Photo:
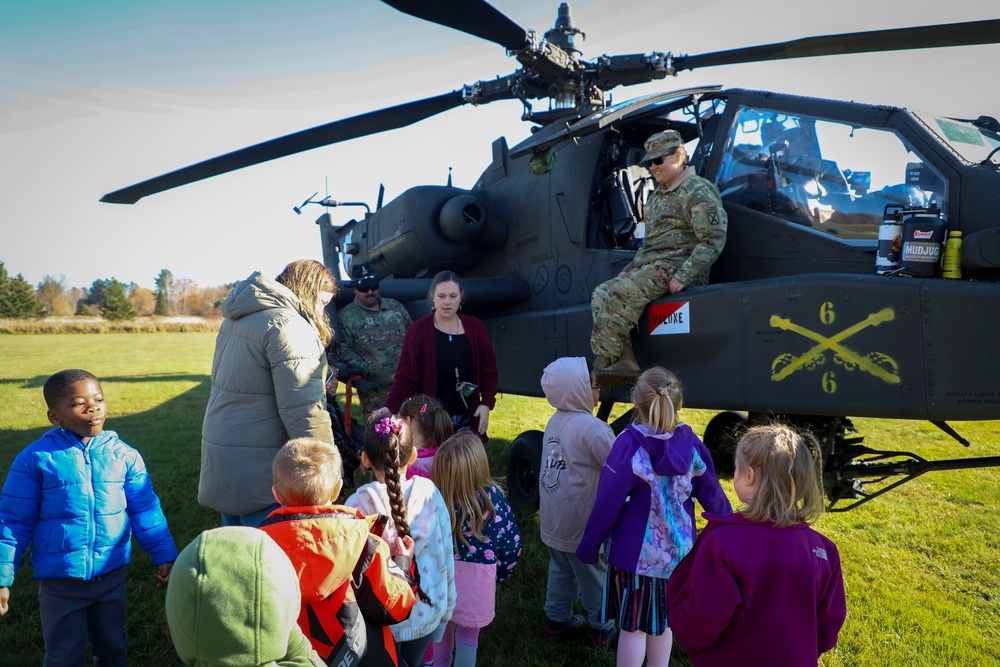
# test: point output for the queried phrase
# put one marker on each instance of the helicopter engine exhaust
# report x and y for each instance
(462, 219)
(429, 228)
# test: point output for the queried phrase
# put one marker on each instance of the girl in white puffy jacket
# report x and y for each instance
(415, 507)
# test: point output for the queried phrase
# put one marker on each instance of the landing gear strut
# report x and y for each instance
(853, 473)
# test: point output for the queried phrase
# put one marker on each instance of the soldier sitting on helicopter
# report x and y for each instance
(685, 230)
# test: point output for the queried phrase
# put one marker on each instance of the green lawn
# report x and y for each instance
(921, 562)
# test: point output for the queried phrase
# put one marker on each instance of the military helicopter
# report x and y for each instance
(810, 317)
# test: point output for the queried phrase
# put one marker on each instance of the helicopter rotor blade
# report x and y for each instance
(896, 39)
(323, 135)
(475, 17)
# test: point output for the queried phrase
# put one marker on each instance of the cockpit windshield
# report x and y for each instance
(972, 143)
(835, 178)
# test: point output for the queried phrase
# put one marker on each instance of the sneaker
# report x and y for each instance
(602, 640)
(554, 631)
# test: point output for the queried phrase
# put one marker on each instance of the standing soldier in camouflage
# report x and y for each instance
(372, 328)
(685, 232)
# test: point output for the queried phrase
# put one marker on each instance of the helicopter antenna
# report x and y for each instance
(449, 177)
(298, 209)
(381, 194)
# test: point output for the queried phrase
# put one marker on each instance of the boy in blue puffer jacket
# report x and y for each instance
(76, 495)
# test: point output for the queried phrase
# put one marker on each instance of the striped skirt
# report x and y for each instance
(638, 603)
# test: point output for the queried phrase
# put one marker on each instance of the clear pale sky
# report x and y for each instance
(95, 96)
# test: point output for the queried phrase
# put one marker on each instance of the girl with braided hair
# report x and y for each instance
(414, 507)
(430, 425)
(657, 467)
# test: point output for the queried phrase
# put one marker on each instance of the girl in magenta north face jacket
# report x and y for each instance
(760, 586)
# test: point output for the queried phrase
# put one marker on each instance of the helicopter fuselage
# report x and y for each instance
(796, 319)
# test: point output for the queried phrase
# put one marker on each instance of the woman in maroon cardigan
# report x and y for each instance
(450, 357)
(446, 352)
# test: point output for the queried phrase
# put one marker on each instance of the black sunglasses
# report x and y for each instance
(367, 287)
(659, 160)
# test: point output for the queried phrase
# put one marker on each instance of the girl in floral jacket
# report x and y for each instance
(487, 543)
(645, 502)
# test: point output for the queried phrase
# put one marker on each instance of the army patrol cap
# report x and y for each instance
(662, 143)
(364, 277)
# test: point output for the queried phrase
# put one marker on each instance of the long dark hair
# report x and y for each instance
(429, 417)
(386, 450)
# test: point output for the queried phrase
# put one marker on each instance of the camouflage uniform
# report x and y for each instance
(685, 232)
(371, 343)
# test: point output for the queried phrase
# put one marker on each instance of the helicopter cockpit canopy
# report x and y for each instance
(833, 177)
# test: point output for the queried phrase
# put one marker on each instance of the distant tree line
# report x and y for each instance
(108, 298)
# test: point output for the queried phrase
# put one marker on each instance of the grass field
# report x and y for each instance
(921, 563)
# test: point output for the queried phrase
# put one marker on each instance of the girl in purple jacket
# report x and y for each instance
(645, 502)
(761, 587)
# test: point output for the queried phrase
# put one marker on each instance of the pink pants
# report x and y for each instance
(464, 641)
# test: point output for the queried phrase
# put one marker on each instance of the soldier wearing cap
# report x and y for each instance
(372, 329)
(685, 232)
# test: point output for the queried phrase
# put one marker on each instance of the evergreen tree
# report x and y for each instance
(21, 300)
(116, 304)
(95, 297)
(4, 291)
(164, 293)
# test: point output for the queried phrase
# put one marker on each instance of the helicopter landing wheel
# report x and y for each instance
(524, 464)
(722, 434)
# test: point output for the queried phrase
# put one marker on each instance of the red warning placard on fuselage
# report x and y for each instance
(669, 318)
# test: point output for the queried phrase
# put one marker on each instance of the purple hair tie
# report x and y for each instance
(388, 425)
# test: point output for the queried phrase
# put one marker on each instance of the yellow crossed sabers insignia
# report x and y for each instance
(833, 343)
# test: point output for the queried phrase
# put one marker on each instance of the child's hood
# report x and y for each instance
(258, 292)
(566, 383)
(233, 599)
(669, 453)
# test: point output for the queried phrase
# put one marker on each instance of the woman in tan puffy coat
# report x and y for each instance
(268, 386)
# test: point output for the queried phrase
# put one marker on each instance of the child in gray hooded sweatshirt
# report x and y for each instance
(574, 448)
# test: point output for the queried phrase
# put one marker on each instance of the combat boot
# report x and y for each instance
(626, 364)
(601, 363)
(624, 369)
